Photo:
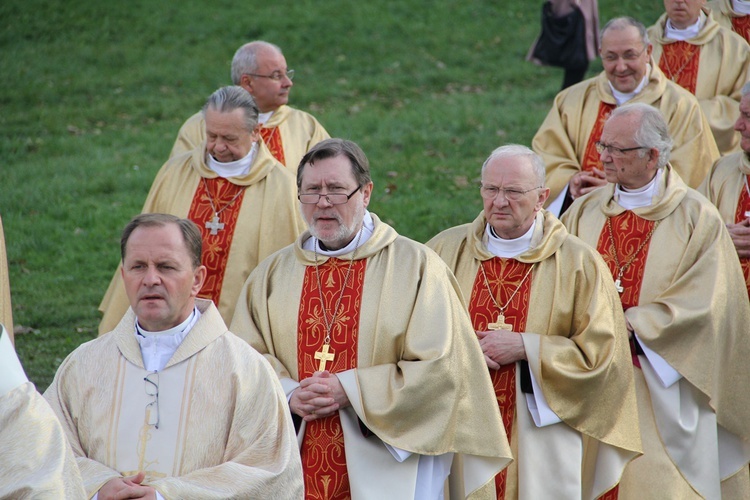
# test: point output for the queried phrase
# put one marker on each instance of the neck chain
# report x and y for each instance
(674, 76)
(500, 324)
(324, 355)
(623, 268)
(215, 225)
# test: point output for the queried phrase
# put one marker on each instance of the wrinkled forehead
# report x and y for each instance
(621, 40)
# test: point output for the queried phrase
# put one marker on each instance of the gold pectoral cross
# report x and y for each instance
(215, 225)
(500, 324)
(324, 356)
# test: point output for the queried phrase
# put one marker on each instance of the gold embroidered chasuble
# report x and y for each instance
(723, 69)
(583, 365)
(6, 312)
(565, 133)
(420, 382)
(224, 427)
(267, 215)
(725, 15)
(688, 312)
(297, 133)
(725, 187)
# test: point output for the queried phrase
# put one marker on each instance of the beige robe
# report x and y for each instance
(268, 220)
(224, 425)
(420, 384)
(35, 458)
(723, 69)
(723, 12)
(6, 312)
(690, 314)
(299, 132)
(583, 362)
(725, 182)
(564, 134)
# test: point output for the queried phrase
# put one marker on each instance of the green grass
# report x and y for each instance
(93, 94)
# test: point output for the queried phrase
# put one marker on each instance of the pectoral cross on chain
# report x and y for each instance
(618, 285)
(500, 324)
(324, 356)
(215, 225)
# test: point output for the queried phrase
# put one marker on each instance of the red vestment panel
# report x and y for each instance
(591, 156)
(741, 26)
(743, 207)
(680, 62)
(272, 138)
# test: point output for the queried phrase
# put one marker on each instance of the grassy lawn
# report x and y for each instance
(93, 94)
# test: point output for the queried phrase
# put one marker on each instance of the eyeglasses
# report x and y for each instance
(276, 75)
(629, 56)
(490, 192)
(152, 408)
(332, 198)
(614, 150)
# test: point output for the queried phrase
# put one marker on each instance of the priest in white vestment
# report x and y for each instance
(260, 68)
(368, 333)
(687, 311)
(171, 404)
(35, 458)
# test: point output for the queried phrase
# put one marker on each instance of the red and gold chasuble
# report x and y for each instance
(743, 207)
(323, 455)
(680, 62)
(591, 156)
(503, 276)
(272, 138)
(216, 246)
(741, 26)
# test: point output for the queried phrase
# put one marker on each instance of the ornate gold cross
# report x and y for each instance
(324, 356)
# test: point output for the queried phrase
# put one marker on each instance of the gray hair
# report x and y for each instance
(245, 60)
(620, 23)
(745, 89)
(191, 235)
(652, 129)
(331, 148)
(227, 99)
(517, 150)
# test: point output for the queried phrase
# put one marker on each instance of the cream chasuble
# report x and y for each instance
(564, 137)
(576, 346)
(420, 382)
(726, 16)
(35, 458)
(723, 69)
(6, 312)
(297, 133)
(690, 321)
(221, 430)
(265, 219)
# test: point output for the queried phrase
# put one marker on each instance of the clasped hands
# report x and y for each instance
(318, 396)
(126, 487)
(586, 181)
(501, 347)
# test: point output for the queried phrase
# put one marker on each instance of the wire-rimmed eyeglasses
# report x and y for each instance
(332, 198)
(276, 75)
(152, 389)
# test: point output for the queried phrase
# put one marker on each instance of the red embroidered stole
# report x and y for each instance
(216, 246)
(591, 156)
(272, 138)
(741, 26)
(504, 276)
(680, 62)
(743, 206)
(323, 455)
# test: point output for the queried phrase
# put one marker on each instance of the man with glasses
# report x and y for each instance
(553, 335)
(368, 334)
(260, 68)
(235, 191)
(171, 404)
(705, 58)
(567, 138)
(681, 287)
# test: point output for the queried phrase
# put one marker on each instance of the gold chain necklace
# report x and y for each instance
(324, 355)
(622, 269)
(500, 324)
(215, 224)
(675, 76)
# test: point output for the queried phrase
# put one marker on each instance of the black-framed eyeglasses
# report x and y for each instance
(276, 75)
(490, 192)
(614, 150)
(332, 198)
(152, 408)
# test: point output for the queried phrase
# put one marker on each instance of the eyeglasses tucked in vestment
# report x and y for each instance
(276, 75)
(152, 389)
(332, 198)
(490, 192)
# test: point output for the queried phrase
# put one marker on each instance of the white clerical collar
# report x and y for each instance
(367, 228)
(685, 34)
(741, 6)
(157, 348)
(264, 117)
(500, 247)
(637, 198)
(235, 168)
(621, 97)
